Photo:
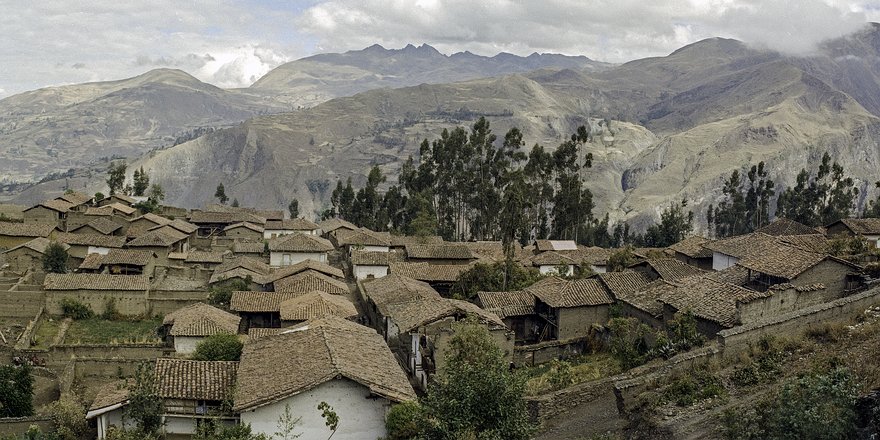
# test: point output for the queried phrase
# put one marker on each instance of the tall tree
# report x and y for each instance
(16, 391)
(820, 200)
(141, 182)
(675, 225)
(293, 208)
(746, 203)
(145, 407)
(55, 258)
(220, 194)
(116, 177)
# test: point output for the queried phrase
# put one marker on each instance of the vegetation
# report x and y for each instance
(55, 258)
(212, 430)
(675, 225)
(331, 419)
(103, 331)
(287, 425)
(220, 194)
(141, 182)
(73, 309)
(559, 374)
(692, 386)
(821, 199)
(629, 341)
(494, 277)
(69, 418)
(621, 259)
(219, 347)
(221, 294)
(116, 177)
(293, 208)
(16, 391)
(746, 203)
(145, 407)
(405, 421)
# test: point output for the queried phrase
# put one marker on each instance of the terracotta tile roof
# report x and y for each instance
(32, 230)
(75, 198)
(105, 241)
(179, 225)
(592, 255)
(862, 226)
(113, 393)
(645, 299)
(152, 218)
(311, 280)
(248, 247)
(784, 226)
(299, 242)
(424, 271)
(55, 205)
(552, 258)
(305, 265)
(491, 251)
(248, 263)
(246, 225)
(38, 244)
(735, 274)
(403, 240)
(559, 293)
(781, 260)
(670, 269)
(451, 251)
(268, 214)
(316, 305)
(369, 258)
(276, 367)
(555, 245)
(91, 262)
(195, 380)
(131, 257)
(255, 333)
(708, 299)
(214, 257)
(237, 272)
(393, 289)
(692, 247)
(361, 237)
(259, 302)
(333, 224)
(95, 281)
(623, 283)
(410, 315)
(740, 245)
(127, 199)
(504, 304)
(124, 209)
(810, 242)
(158, 238)
(209, 217)
(293, 224)
(103, 225)
(200, 319)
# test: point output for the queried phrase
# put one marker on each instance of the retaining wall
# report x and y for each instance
(15, 426)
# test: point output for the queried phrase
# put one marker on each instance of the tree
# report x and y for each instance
(156, 193)
(287, 424)
(621, 259)
(746, 206)
(116, 177)
(674, 226)
(819, 200)
(99, 196)
(235, 203)
(69, 418)
(496, 277)
(219, 347)
(145, 406)
(476, 395)
(16, 391)
(331, 419)
(293, 208)
(55, 258)
(141, 182)
(211, 429)
(220, 194)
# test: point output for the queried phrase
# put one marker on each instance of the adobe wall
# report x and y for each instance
(829, 272)
(129, 303)
(21, 304)
(533, 354)
(575, 322)
(20, 425)
(547, 406)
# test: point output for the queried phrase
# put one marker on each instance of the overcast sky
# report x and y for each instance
(232, 43)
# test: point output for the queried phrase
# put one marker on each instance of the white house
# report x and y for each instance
(367, 264)
(108, 408)
(192, 324)
(277, 228)
(727, 252)
(297, 247)
(330, 360)
(362, 239)
(554, 263)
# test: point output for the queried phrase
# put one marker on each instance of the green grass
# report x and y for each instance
(46, 332)
(556, 375)
(103, 331)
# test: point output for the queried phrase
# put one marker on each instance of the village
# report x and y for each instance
(332, 313)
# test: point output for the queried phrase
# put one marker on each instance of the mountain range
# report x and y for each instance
(681, 123)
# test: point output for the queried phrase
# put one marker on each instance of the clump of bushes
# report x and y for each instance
(73, 309)
(220, 347)
(690, 387)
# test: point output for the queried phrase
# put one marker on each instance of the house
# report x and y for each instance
(197, 259)
(14, 234)
(253, 249)
(626, 287)
(50, 211)
(315, 305)
(120, 262)
(179, 225)
(421, 329)
(783, 226)
(692, 251)
(570, 308)
(447, 253)
(277, 228)
(99, 226)
(553, 263)
(78, 200)
(330, 360)
(162, 242)
(108, 408)
(594, 257)
(378, 293)
(144, 223)
(369, 264)
(281, 273)
(244, 231)
(310, 280)
(441, 277)
(189, 326)
(259, 309)
(118, 198)
(28, 256)
(517, 310)
(669, 269)
(294, 248)
(84, 244)
(329, 226)
(399, 242)
(212, 223)
(869, 228)
(241, 268)
(361, 239)
(128, 292)
(728, 251)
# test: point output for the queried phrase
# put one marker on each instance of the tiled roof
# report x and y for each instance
(276, 367)
(369, 258)
(246, 225)
(75, 198)
(127, 199)
(361, 237)
(209, 217)
(316, 305)
(182, 226)
(559, 293)
(200, 319)
(740, 245)
(555, 245)
(292, 224)
(55, 205)
(95, 211)
(491, 251)
(335, 223)
(97, 240)
(708, 299)
(784, 226)
(32, 230)
(268, 214)
(393, 289)
(552, 258)
(152, 218)
(863, 226)
(237, 272)
(693, 247)
(670, 269)
(781, 260)
(735, 274)
(158, 238)
(131, 257)
(195, 380)
(214, 257)
(504, 304)
(255, 333)
(259, 302)
(248, 247)
(424, 271)
(113, 393)
(91, 262)
(103, 225)
(593, 255)
(311, 280)
(305, 265)
(411, 315)
(299, 242)
(127, 210)
(403, 240)
(248, 263)
(645, 299)
(623, 283)
(810, 242)
(95, 281)
(38, 244)
(450, 251)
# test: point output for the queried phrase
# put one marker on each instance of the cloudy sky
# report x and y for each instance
(232, 43)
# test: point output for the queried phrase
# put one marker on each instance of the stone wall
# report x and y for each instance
(546, 406)
(533, 354)
(130, 303)
(20, 425)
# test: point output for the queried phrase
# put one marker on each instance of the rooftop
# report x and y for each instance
(201, 319)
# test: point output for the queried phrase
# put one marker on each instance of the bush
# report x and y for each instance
(405, 421)
(73, 309)
(765, 366)
(221, 295)
(827, 333)
(220, 347)
(691, 387)
(628, 343)
(110, 311)
(55, 259)
(16, 391)
(69, 417)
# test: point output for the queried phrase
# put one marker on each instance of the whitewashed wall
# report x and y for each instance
(550, 270)
(186, 344)
(364, 272)
(722, 261)
(276, 259)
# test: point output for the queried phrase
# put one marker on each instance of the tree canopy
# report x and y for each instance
(219, 347)
(55, 258)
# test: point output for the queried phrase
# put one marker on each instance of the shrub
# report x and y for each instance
(55, 258)
(69, 417)
(628, 343)
(73, 309)
(691, 387)
(826, 333)
(221, 295)
(220, 347)
(110, 311)
(405, 421)
(16, 391)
